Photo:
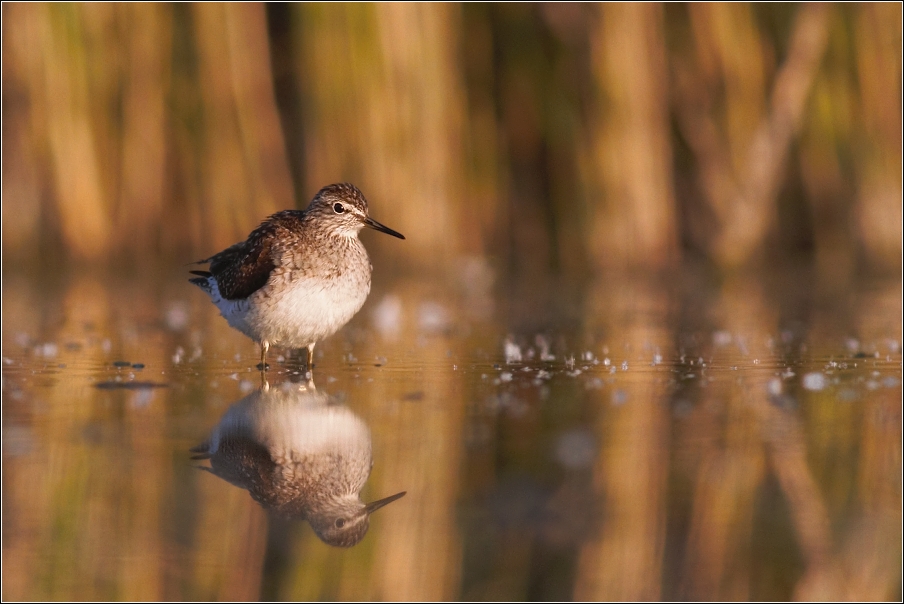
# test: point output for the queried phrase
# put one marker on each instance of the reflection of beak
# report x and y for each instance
(373, 506)
(370, 222)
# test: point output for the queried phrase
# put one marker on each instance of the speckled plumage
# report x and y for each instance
(300, 276)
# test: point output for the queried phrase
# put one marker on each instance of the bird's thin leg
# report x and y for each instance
(311, 356)
(265, 346)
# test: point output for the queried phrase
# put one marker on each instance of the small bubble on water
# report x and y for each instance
(722, 338)
(505, 376)
(47, 350)
(387, 316)
(607, 362)
(593, 384)
(176, 316)
(433, 317)
(576, 449)
(848, 395)
(619, 397)
(512, 352)
(624, 366)
(543, 344)
(814, 381)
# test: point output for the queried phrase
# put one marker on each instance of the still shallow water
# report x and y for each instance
(622, 440)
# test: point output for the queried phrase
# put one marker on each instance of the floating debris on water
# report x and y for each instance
(131, 385)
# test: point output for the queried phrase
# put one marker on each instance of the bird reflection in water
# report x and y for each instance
(300, 455)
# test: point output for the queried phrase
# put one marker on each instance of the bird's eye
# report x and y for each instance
(338, 208)
(340, 522)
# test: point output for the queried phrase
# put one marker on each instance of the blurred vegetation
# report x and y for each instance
(550, 136)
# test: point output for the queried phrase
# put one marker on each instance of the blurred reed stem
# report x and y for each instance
(558, 138)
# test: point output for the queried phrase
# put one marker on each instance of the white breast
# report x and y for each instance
(294, 312)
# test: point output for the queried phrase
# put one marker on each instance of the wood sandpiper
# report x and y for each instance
(300, 276)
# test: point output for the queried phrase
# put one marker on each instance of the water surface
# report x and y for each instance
(624, 439)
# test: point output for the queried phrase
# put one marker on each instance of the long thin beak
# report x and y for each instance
(373, 224)
(373, 506)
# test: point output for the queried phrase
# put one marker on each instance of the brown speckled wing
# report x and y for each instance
(244, 268)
